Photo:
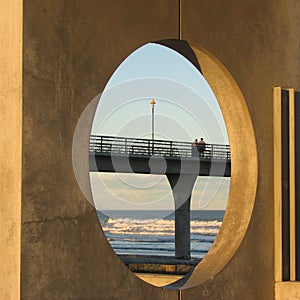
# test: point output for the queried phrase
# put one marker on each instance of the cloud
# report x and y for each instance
(153, 192)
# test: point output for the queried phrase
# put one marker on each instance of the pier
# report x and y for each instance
(175, 159)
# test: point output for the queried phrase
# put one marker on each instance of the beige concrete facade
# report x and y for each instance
(70, 50)
(10, 147)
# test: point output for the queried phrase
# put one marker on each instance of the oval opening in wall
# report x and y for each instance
(160, 194)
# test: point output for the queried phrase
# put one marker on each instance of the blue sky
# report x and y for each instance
(186, 109)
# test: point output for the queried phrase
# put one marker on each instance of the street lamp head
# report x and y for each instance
(152, 102)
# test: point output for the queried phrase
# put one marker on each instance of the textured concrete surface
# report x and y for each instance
(287, 290)
(70, 51)
(71, 48)
(258, 42)
(10, 146)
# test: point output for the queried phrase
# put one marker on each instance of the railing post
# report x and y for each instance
(101, 143)
(212, 151)
(171, 149)
(149, 152)
(125, 145)
(152, 147)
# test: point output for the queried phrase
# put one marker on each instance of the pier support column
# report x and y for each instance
(182, 187)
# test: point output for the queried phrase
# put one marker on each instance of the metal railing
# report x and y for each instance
(148, 147)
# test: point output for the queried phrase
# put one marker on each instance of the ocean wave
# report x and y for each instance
(156, 249)
(156, 227)
(132, 233)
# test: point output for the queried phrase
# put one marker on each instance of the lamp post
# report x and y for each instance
(152, 105)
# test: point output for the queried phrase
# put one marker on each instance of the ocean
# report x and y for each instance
(153, 232)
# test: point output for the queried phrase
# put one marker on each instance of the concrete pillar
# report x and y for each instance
(182, 187)
(10, 147)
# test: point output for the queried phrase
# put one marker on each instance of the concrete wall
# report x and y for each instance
(258, 42)
(71, 48)
(10, 146)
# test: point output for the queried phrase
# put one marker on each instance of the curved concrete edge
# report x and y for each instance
(244, 169)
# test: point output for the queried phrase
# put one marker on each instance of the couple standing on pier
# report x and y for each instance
(198, 148)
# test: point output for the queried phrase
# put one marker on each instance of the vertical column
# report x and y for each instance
(277, 183)
(285, 188)
(297, 181)
(10, 146)
(292, 202)
(182, 231)
(182, 187)
(284, 184)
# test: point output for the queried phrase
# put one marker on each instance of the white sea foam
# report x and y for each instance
(156, 227)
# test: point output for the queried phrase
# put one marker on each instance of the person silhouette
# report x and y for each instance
(201, 147)
(195, 148)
